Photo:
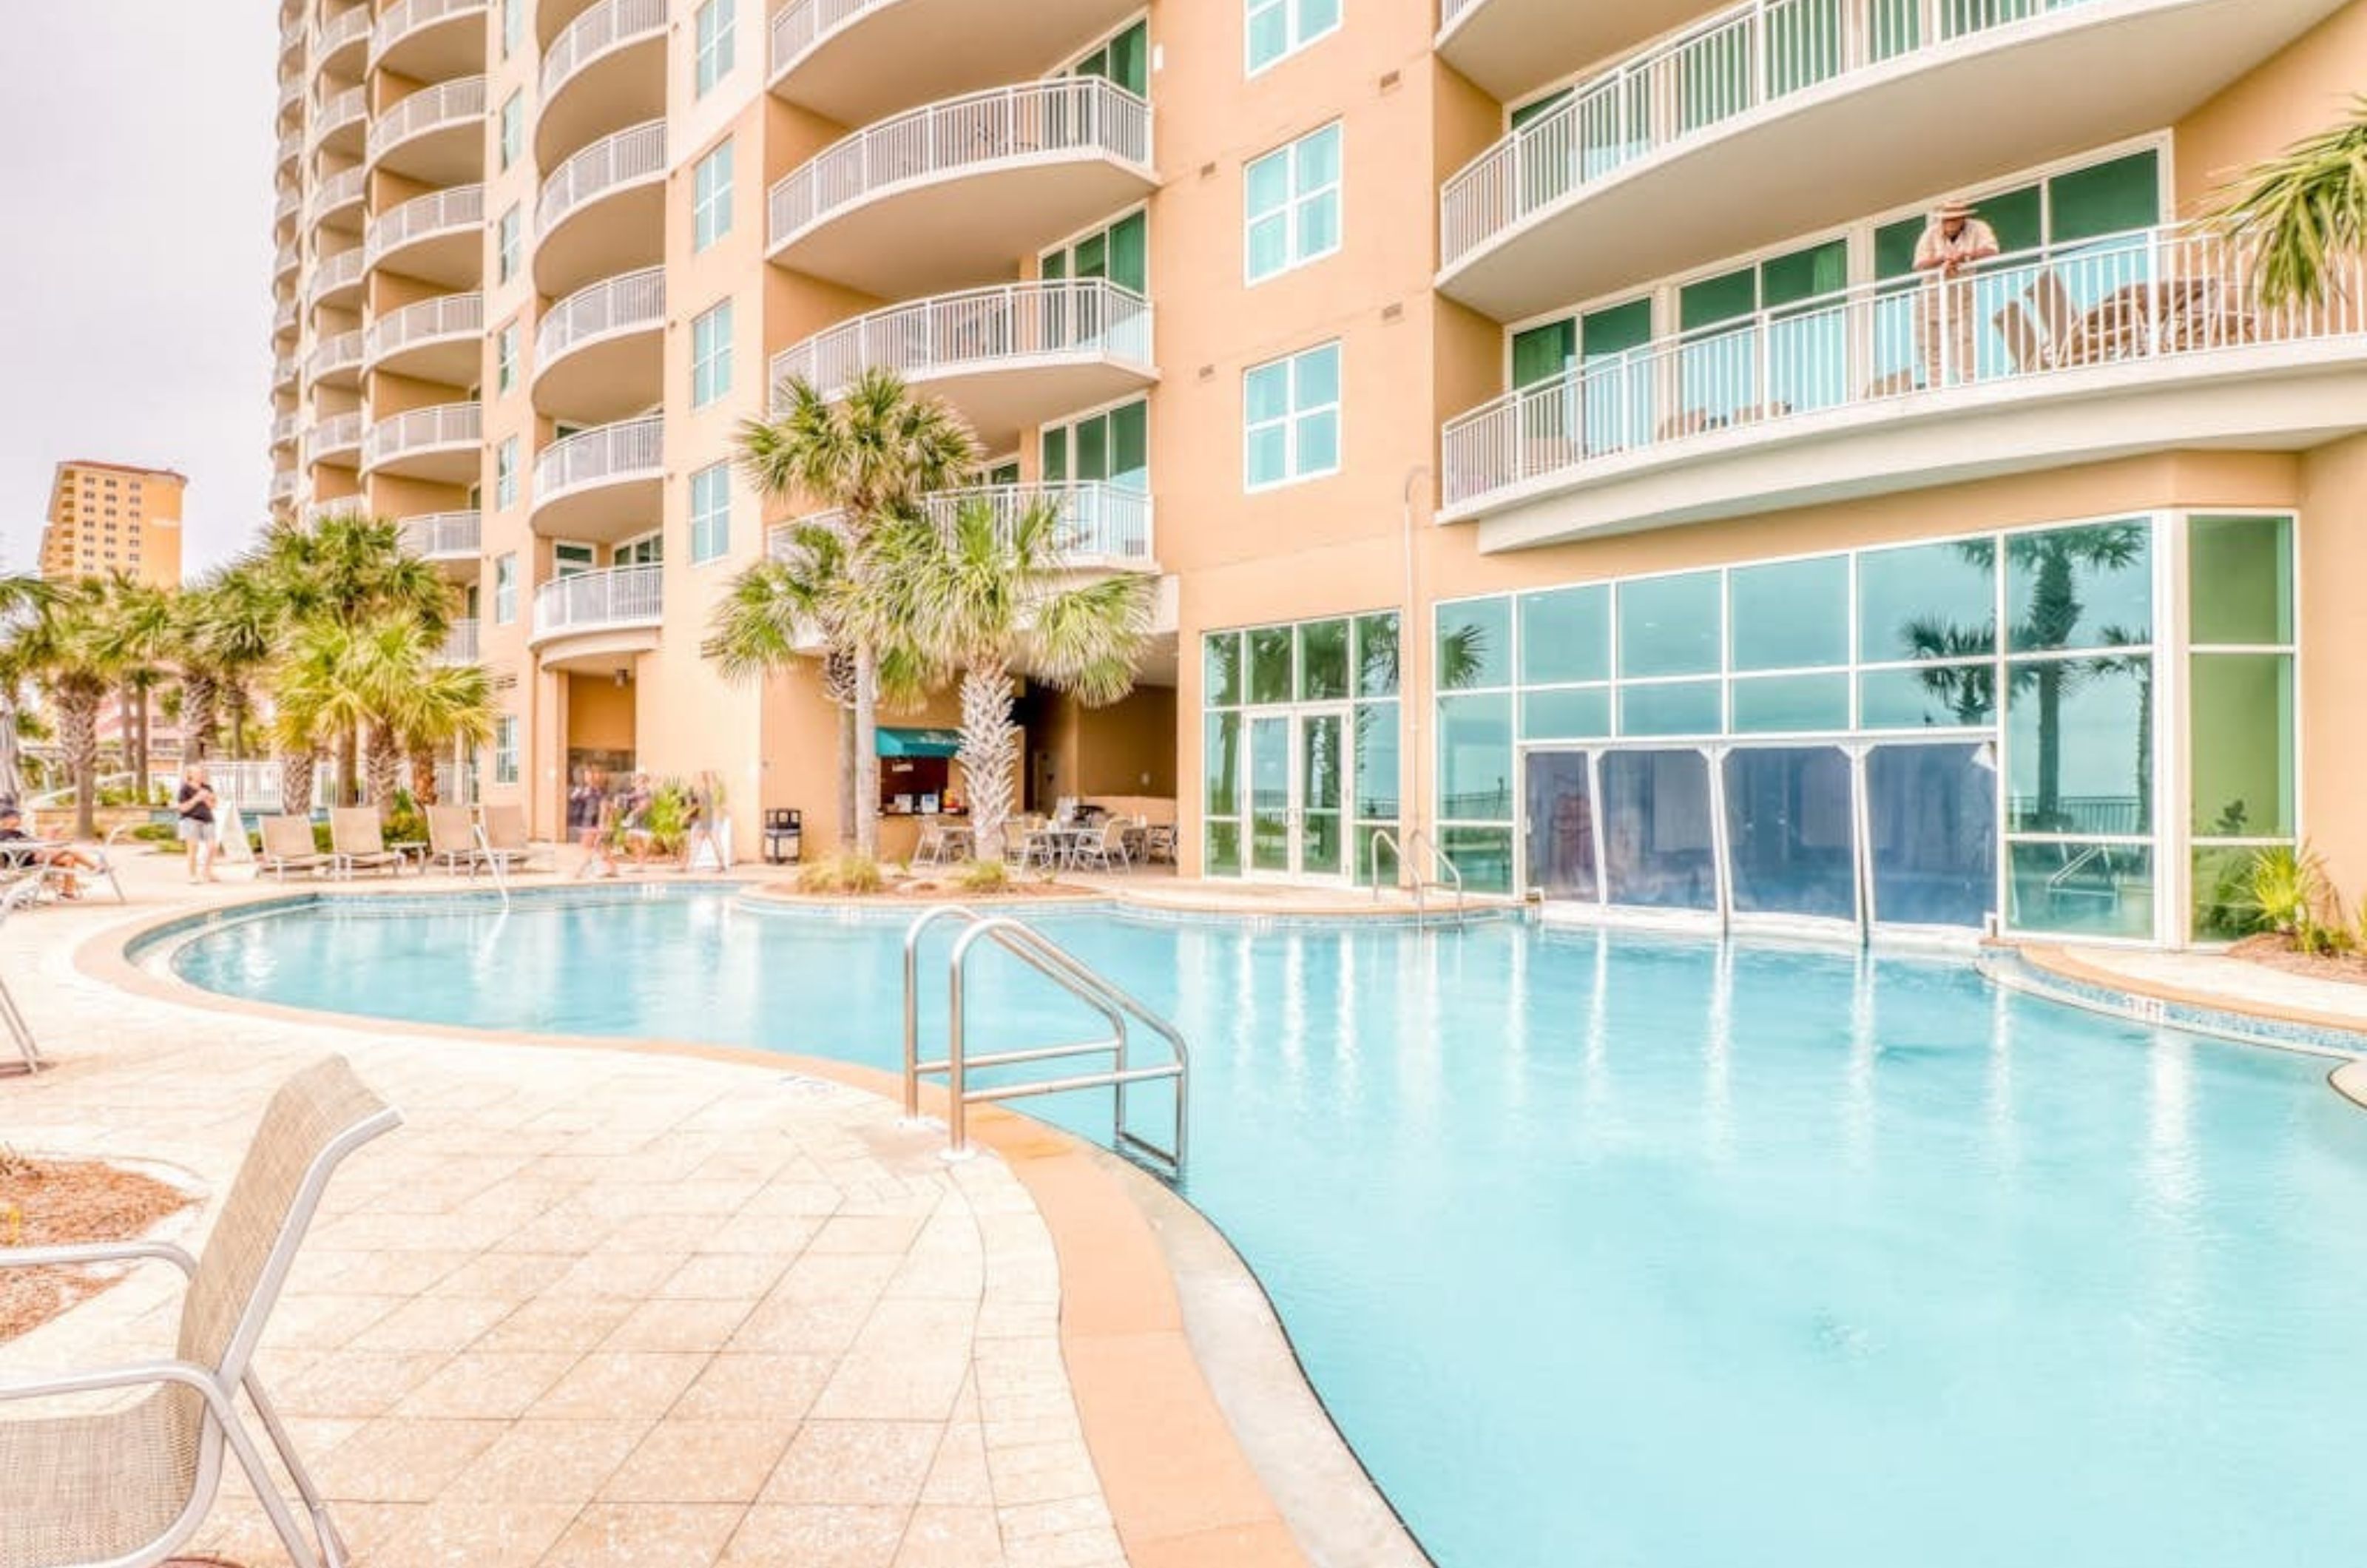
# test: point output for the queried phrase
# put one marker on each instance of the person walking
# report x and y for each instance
(633, 820)
(587, 811)
(195, 807)
(705, 803)
(1954, 241)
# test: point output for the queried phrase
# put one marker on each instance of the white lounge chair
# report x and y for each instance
(289, 845)
(507, 839)
(357, 843)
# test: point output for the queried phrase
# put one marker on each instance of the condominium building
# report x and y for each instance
(111, 517)
(1554, 463)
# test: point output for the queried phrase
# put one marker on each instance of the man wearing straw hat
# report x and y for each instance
(1952, 242)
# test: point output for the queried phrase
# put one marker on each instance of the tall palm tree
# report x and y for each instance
(874, 452)
(989, 600)
(136, 630)
(20, 602)
(323, 692)
(67, 649)
(2303, 212)
(236, 620)
(446, 706)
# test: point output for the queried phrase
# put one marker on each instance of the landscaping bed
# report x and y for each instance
(59, 1202)
(2272, 950)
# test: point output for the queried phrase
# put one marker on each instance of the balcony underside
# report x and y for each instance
(2283, 397)
(899, 53)
(453, 257)
(452, 463)
(1002, 399)
(624, 87)
(449, 152)
(1876, 139)
(605, 379)
(344, 295)
(1512, 48)
(618, 231)
(453, 358)
(595, 650)
(451, 45)
(944, 231)
(605, 512)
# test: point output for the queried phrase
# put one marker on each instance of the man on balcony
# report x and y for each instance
(1953, 243)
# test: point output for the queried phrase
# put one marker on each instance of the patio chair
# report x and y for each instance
(1108, 851)
(357, 843)
(507, 843)
(127, 1486)
(933, 848)
(452, 838)
(1159, 844)
(288, 845)
(20, 895)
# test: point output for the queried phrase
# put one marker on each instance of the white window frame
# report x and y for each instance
(1292, 417)
(506, 347)
(710, 198)
(509, 243)
(1296, 203)
(717, 50)
(710, 355)
(505, 474)
(513, 25)
(513, 129)
(504, 589)
(505, 749)
(1294, 41)
(710, 513)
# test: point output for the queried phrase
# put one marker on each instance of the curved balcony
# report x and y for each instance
(284, 262)
(604, 484)
(429, 40)
(2136, 343)
(440, 237)
(335, 362)
(342, 45)
(291, 111)
(447, 538)
(600, 353)
(435, 136)
(950, 193)
(435, 340)
(459, 643)
(855, 61)
(286, 209)
(284, 486)
(284, 319)
(606, 67)
(284, 371)
(338, 200)
(285, 428)
(1512, 48)
(1103, 526)
(442, 444)
(291, 152)
(337, 123)
(590, 603)
(1777, 117)
(1007, 358)
(602, 211)
(336, 281)
(336, 439)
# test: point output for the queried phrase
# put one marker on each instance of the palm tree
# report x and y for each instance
(323, 692)
(136, 631)
(447, 705)
(20, 602)
(989, 600)
(2303, 210)
(870, 455)
(67, 649)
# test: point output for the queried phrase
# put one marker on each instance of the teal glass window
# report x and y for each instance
(1675, 708)
(1791, 616)
(1927, 601)
(1291, 204)
(2240, 571)
(1322, 660)
(1930, 697)
(710, 513)
(710, 355)
(2105, 198)
(2086, 587)
(1790, 705)
(1277, 27)
(1291, 418)
(710, 197)
(2085, 890)
(1475, 758)
(1565, 636)
(1377, 762)
(1220, 763)
(712, 60)
(2243, 758)
(1578, 713)
(2079, 747)
(1376, 656)
(1669, 626)
(1223, 853)
(1220, 670)
(1474, 644)
(1483, 856)
(1270, 664)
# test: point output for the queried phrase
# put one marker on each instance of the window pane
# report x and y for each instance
(1683, 708)
(1378, 784)
(1268, 35)
(1055, 453)
(2080, 889)
(1270, 664)
(2109, 199)
(1790, 831)
(1220, 763)
(1318, 444)
(1582, 712)
(1566, 636)
(1561, 827)
(1376, 861)
(1130, 445)
(1221, 668)
(2241, 572)
(1927, 601)
(1318, 226)
(1376, 656)
(1269, 245)
(1543, 353)
(1223, 857)
(1931, 815)
(1318, 159)
(1318, 375)
(1668, 626)
(1483, 856)
(1936, 696)
(1322, 660)
(1791, 704)
(2224, 909)
(1793, 615)
(1316, 16)
(2079, 747)
(2243, 745)
(1267, 184)
(1269, 460)
(1658, 851)
(1474, 644)
(1475, 759)
(2086, 587)
(1266, 392)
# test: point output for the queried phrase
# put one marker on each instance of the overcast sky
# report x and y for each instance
(135, 307)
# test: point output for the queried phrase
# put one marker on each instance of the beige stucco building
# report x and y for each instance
(1531, 409)
(111, 517)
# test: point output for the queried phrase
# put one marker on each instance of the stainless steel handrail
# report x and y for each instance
(1115, 1006)
(1420, 888)
(493, 862)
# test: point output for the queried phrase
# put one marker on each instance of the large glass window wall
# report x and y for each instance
(2241, 745)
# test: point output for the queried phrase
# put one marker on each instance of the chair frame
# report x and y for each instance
(21, 893)
(344, 862)
(272, 863)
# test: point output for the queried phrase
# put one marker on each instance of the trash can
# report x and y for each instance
(785, 830)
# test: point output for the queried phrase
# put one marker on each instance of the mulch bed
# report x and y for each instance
(55, 1202)
(2272, 951)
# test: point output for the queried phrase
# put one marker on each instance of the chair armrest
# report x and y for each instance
(133, 1376)
(97, 1252)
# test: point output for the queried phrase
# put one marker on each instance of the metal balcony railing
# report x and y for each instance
(446, 103)
(335, 114)
(637, 153)
(1099, 521)
(635, 299)
(797, 28)
(632, 448)
(291, 146)
(330, 273)
(605, 26)
(976, 330)
(284, 260)
(341, 189)
(460, 643)
(447, 425)
(440, 212)
(283, 485)
(2016, 326)
(445, 316)
(404, 17)
(1035, 120)
(338, 433)
(1689, 86)
(342, 31)
(439, 534)
(283, 370)
(331, 354)
(592, 601)
(284, 429)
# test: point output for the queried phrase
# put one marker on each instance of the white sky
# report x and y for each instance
(135, 262)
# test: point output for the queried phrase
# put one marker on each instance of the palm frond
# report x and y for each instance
(2302, 209)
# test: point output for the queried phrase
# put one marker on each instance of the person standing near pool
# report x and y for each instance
(195, 806)
(586, 809)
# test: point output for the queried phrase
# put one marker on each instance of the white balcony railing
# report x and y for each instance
(289, 203)
(637, 153)
(446, 103)
(331, 354)
(341, 189)
(439, 212)
(439, 535)
(291, 95)
(283, 370)
(284, 429)
(460, 643)
(603, 27)
(1035, 119)
(399, 20)
(422, 430)
(338, 433)
(445, 316)
(1098, 521)
(284, 260)
(636, 299)
(797, 28)
(2018, 324)
(283, 485)
(337, 113)
(978, 328)
(592, 601)
(283, 318)
(1755, 53)
(331, 274)
(291, 146)
(343, 31)
(630, 449)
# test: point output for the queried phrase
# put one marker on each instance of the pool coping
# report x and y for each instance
(1191, 1432)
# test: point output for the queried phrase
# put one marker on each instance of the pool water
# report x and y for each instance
(1622, 1249)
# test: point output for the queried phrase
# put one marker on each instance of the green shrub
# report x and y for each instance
(155, 833)
(2284, 890)
(984, 876)
(848, 873)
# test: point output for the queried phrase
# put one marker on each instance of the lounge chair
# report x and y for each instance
(20, 895)
(452, 838)
(507, 843)
(288, 845)
(127, 1486)
(357, 843)
(1107, 852)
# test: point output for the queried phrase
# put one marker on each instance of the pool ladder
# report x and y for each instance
(1117, 1009)
(1452, 882)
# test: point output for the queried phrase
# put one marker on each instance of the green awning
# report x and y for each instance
(919, 743)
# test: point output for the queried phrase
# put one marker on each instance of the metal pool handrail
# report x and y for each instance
(1420, 901)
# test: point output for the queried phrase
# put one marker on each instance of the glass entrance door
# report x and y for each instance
(1299, 774)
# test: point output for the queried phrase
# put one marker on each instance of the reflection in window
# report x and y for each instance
(1221, 669)
(1376, 656)
(1931, 820)
(1322, 660)
(1791, 614)
(2075, 889)
(2079, 746)
(1474, 644)
(1475, 759)
(1931, 697)
(1565, 637)
(1791, 829)
(1927, 601)
(1270, 664)
(1658, 849)
(1680, 707)
(2086, 587)
(1561, 862)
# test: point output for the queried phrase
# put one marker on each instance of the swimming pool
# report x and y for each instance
(1622, 1250)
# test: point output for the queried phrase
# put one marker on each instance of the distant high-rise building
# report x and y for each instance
(107, 517)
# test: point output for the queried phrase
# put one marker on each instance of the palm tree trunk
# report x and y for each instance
(296, 782)
(838, 685)
(12, 774)
(422, 775)
(78, 738)
(140, 741)
(200, 716)
(866, 751)
(990, 754)
(349, 767)
(238, 719)
(385, 768)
